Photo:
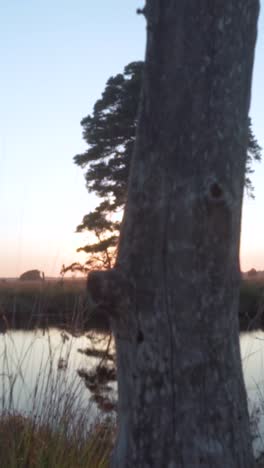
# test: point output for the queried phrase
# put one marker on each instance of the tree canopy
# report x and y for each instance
(110, 133)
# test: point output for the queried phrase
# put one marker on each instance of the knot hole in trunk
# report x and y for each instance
(140, 337)
(216, 191)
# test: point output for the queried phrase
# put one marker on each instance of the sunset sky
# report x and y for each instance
(56, 57)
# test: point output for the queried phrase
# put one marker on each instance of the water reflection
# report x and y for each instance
(38, 372)
(252, 353)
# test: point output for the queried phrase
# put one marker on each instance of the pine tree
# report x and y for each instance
(110, 133)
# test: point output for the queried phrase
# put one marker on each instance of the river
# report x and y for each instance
(39, 370)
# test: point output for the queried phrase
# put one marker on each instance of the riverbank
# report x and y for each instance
(48, 416)
(59, 342)
(23, 443)
(63, 304)
(34, 304)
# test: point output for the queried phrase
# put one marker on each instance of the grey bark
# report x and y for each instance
(182, 401)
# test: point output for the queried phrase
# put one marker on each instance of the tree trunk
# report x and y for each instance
(182, 401)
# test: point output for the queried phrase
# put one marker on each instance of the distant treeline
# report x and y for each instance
(65, 306)
(62, 305)
(251, 309)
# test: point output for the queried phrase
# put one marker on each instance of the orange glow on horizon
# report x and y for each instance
(253, 259)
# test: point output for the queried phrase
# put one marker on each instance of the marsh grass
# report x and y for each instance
(60, 427)
(30, 304)
(24, 444)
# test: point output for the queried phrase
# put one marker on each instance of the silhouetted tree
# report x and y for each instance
(253, 154)
(32, 275)
(110, 134)
(252, 272)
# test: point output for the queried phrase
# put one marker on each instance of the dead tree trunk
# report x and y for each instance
(173, 294)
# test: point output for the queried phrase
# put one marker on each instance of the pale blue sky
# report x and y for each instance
(55, 58)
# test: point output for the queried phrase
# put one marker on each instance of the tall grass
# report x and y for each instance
(25, 305)
(59, 427)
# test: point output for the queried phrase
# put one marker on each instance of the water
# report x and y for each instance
(252, 353)
(39, 371)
